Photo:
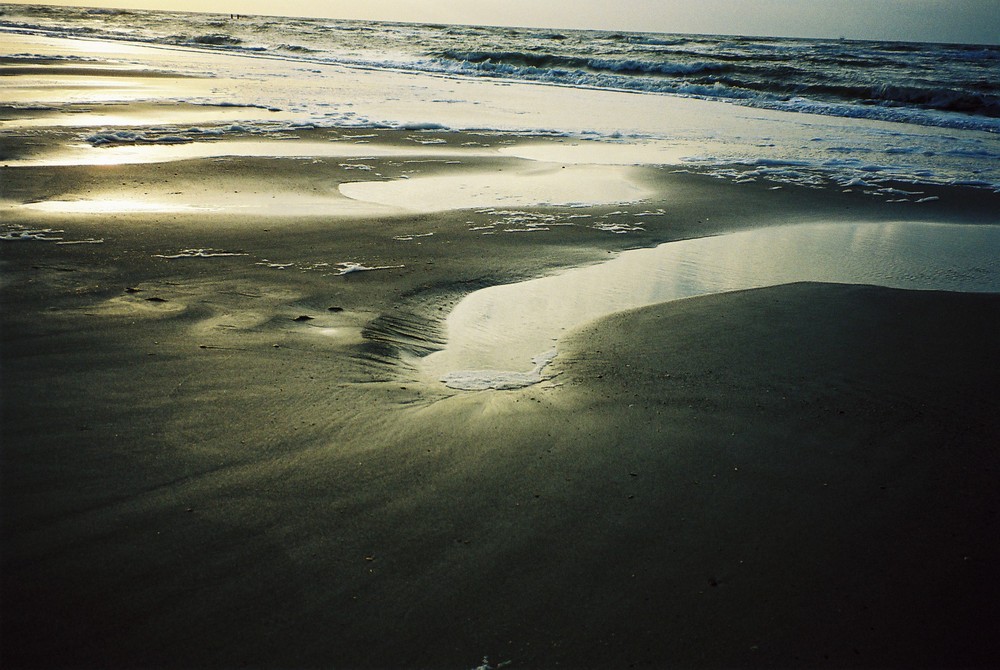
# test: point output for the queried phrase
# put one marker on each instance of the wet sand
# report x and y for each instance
(215, 453)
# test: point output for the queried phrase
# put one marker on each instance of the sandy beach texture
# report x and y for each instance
(219, 450)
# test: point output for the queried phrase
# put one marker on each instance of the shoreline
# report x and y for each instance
(186, 459)
(217, 450)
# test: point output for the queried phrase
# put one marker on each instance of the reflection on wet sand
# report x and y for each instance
(502, 328)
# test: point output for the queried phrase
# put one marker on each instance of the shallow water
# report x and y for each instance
(523, 187)
(259, 93)
(500, 330)
(167, 151)
(165, 115)
(276, 204)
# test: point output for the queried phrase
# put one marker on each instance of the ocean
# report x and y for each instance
(926, 113)
(947, 85)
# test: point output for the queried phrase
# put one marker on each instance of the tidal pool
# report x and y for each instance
(503, 336)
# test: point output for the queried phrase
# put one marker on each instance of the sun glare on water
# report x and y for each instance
(110, 206)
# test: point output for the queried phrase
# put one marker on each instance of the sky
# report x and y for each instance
(973, 21)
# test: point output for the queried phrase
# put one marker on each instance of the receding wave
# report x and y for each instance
(297, 48)
(943, 99)
(214, 39)
(494, 61)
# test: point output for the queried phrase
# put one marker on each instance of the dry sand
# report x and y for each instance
(195, 476)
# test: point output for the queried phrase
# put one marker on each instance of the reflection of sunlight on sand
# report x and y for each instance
(111, 206)
(349, 333)
(146, 116)
(276, 204)
(549, 185)
(101, 47)
(132, 154)
(135, 306)
(65, 89)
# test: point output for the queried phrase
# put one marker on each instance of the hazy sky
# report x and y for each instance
(921, 20)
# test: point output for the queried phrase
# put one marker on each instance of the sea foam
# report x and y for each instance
(499, 380)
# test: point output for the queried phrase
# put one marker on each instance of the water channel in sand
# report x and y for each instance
(503, 336)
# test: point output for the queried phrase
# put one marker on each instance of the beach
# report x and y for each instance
(224, 443)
